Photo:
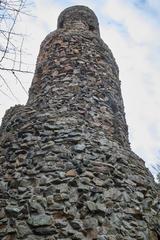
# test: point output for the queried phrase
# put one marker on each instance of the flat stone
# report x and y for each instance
(140, 181)
(74, 139)
(88, 174)
(139, 195)
(91, 206)
(13, 211)
(3, 186)
(79, 147)
(85, 180)
(50, 158)
(22, 189)
(102, 237)
(77, 225)
(126, 197)
(133, 211)
(101, 207)
(36, 207)
(60, 224)
(60, 197)
(112, 193)
(57, 207)
(48, 145)
(83, 187)
(44, 231)
(71, 173)
(90, 223)
(40, 220)
(52, 127)
(61, 174)
(23, 230)
(147, 202)
(2, 213)
(130, 182)
(62, 188)
(98, 182)
(78, 236)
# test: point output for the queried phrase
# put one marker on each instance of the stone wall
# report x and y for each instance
(76, 75)
(67, 170)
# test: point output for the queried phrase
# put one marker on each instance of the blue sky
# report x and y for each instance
(131, 28)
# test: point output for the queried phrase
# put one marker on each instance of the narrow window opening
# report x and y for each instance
(91, 28)
(61, 24)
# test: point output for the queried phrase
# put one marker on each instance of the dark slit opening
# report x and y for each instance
(91, 28)
(61, 24)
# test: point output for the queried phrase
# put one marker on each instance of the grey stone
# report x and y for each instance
(3, 186)
(60, 224)
(79, 147)
(113, 194)
(40, 220)
(77, 225)
(90, 223)
(102, 237)
(83, 187)
(52, 127)
(23, 230)
(44, 231)
(78, 236)
(91, 206)
(13, 211)
(139, 195)
(101, 208)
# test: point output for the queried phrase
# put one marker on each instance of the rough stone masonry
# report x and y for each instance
(67, 170)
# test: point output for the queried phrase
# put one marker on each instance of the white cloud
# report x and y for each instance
(138, 25)
(155, 6)
(136, 45)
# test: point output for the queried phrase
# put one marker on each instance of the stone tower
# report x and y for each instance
(67, 170)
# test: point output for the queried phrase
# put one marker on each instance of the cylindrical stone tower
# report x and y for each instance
(77, 76)
(67, 170)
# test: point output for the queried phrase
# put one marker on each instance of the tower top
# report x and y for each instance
(79, 17)
(76, 74)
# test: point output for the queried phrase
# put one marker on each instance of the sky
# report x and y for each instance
(131, 29)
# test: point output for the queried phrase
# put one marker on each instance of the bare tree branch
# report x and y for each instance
(12, 43)
(20, 55)
(15, 70)
(5, 94)
(12, 33)
(5, 82)
(11, 29)
(20, 83)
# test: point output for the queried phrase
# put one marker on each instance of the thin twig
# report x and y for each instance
(20, 55)
(16, 61)
(8, 40)
(20, 83)
(5, 94)
(5, 82)
(11, 29)
(12, 33)
(10, 51)
(15, 70)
